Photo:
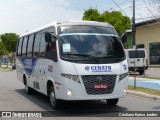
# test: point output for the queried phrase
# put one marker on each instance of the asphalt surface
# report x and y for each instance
(14, 98)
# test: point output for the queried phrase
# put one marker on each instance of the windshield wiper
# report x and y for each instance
(110, 57)
(84, 55)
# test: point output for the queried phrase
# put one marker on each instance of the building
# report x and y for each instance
(148, 37)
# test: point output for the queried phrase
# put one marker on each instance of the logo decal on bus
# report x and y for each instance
(29, 64)
(50, 68)
(125, 67)
(87, 68)
(98, 68)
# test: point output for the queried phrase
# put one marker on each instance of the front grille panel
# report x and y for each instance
(90, 80)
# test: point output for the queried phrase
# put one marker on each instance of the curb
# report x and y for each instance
(141, 94)
(3, 70)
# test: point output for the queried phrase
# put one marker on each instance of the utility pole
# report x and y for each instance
(133, 26)
(134, 41)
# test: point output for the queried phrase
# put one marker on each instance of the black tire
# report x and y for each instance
(112, 101)
(28, 90)
(141, 72)
(55, 104)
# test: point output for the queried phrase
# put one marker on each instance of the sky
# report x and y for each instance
(19, 16)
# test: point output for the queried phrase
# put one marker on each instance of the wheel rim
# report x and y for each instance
(52, 98)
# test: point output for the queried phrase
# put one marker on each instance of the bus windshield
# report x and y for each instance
(90, 43)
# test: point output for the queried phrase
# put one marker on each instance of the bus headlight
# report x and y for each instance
(72, 77)
(122, 76)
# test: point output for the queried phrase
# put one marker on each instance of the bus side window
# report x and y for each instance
(30, 45)
(42, 46)
(53, 46)
(36, 45)
(51, 52)
(51, 49)
(43, 43)
(24, 48)
(19, 46)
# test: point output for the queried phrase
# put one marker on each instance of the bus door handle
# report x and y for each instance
(44, 72)
(137, 59)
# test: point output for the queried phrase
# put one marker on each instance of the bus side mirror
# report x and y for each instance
(50, 37)
(124, 37)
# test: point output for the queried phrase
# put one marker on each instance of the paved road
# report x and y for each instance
(14, 98)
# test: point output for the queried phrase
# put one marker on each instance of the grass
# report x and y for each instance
(145, 90)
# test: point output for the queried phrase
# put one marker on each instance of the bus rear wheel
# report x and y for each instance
(28, 90)
(141, 72)
(112, 101)
(54, 102)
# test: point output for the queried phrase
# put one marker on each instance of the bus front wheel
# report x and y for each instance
(112, 101)
(54, 102)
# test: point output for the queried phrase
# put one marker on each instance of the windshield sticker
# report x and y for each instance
(98, 68)
(66, 47)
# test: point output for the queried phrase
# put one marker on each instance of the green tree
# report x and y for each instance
(9, 40)
(3, 50)
(115, 18)
(91, 14)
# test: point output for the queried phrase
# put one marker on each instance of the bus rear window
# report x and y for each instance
(136, 54)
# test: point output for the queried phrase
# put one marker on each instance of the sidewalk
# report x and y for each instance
(145, 83)
(153, 72)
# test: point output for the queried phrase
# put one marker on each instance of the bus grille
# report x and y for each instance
(91, 80)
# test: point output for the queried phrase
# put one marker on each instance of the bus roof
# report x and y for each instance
(68, 23)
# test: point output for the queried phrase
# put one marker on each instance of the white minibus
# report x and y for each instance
(73, 60)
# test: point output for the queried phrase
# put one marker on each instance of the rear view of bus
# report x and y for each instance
(88, 63)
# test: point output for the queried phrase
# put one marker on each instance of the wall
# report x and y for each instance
(148, 34)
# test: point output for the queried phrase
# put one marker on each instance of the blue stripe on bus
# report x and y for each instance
(28, 64)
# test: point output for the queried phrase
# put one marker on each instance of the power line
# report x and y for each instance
(119, 7)
(144, 18)
(144, 6)
(149, 9)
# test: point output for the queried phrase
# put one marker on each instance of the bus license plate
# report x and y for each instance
(100, 86)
